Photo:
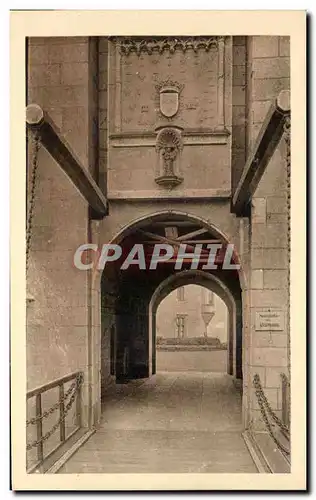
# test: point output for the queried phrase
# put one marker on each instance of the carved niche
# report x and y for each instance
(169, 146)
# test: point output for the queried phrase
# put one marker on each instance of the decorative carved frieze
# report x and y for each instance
(168, 147)
(168, 44)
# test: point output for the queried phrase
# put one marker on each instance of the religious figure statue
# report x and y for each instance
(168, 148)
(169, 154)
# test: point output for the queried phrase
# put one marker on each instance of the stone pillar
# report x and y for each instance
(118, 85)
(268, 285)
(103, 111)
(220, 84)
(239, 109)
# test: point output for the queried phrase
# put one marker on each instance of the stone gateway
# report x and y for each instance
(180, 143)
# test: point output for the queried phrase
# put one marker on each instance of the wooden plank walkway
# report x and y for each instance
(172, 423)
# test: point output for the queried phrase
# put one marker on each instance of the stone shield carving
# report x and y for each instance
(169, 102)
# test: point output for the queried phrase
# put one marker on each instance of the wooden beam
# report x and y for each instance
(178, 223)
(157, 237)
(171, 232)
(170, 241)
(205, 242)
(265, 145)
(62, 153)
(198, 232)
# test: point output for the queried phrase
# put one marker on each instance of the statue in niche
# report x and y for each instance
(169, 155)
(168, 147)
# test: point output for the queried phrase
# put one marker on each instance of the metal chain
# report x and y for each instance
(287, 138)
(258, 387)
(61, 419)
(31, 204)
(264, 408)
(55, 407)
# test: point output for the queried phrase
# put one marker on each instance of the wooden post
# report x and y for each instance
(62, 413)
(78, 407)
(39, 428)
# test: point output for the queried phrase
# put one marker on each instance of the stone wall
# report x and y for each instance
(191, 306)
(202, 77)
(87, 85)
(239, 108)
(269, 287)
(268, 73)
(268, 231)
(64, 318)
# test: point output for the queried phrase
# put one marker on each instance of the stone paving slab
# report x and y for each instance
(172, 423)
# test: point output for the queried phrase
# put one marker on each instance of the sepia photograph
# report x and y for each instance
(158, 219)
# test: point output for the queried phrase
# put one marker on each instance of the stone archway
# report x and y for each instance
(127, 296)
(213, 284)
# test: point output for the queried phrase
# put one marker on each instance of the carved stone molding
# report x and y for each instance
(190, 137)
(169, 146)
(168, 44)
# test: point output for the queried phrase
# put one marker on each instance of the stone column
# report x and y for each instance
(118, 86)
(220, 84)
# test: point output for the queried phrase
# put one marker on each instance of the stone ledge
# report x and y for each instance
(190, 138)
(160, 195)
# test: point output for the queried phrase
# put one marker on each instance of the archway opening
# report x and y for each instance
(192, 331)
(131, 296)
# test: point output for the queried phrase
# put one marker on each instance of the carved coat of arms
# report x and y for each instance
(169, 101)
(169, 97)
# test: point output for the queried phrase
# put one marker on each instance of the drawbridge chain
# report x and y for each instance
(265, 409)
(31, 205)
(287, 138)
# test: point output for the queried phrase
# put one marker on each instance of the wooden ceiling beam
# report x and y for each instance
(170, 241)
(61, 152)
(198, 232)
(267, 141)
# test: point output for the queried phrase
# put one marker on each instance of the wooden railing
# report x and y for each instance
(63, 405)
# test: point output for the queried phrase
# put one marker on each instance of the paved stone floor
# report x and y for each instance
(172, 423)
(184, 361)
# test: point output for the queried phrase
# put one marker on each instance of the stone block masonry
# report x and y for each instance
(60, 318)
(105, 97)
